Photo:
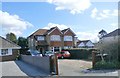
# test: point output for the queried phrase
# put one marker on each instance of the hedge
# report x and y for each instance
(81, 54)
(107, 65)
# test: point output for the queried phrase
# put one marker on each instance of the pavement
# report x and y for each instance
(69, 67)
(19, 68)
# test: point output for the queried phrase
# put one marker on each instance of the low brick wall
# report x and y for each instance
(10, 57)
(43, 63)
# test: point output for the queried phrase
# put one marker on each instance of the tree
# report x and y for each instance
(11, 37)
(22, 42)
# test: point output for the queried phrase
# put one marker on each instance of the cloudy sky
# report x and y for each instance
(86, 18)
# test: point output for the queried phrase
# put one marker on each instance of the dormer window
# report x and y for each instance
(68, 38)
(40, 38)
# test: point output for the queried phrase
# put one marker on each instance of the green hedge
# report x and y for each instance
(107, 65)
(80, 54)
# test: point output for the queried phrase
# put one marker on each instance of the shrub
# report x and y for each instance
(117, 63)
(107, 65)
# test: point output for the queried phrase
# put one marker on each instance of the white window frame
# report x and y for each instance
(68, 38)
(40, 38)
(55, 38)
(65, 47)
(8, 52)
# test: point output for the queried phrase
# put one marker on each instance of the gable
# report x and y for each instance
(89, 43)
(55, 31)
(69, 32)
(81, 44)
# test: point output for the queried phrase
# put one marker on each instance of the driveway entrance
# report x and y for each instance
(70, 67)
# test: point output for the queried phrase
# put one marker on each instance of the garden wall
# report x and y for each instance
(43, 63)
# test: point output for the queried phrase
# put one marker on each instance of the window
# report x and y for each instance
(67, 38)
(67, 47)
(4, 52)
(55, 38)
(40, 38)
(56, 48)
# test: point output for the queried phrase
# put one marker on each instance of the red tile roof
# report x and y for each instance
(40, 32)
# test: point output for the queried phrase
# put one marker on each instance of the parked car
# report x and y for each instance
(63, 54)
(49, 53)
(34, 53)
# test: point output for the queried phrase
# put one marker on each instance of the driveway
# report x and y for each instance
(69, 67)
(19, 68)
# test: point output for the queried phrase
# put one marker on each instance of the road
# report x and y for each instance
(19, 68)
(68, 67)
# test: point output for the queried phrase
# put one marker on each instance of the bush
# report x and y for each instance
(23, 51)
(80, 54)
(111, 48)
(117, 63)
(107, 65)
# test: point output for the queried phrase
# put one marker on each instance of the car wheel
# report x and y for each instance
(62, 57)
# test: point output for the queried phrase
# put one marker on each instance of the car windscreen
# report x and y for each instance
(34, 52)
(66, 52)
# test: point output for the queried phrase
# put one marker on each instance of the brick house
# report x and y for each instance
(51, 39)
(68, 38)
(8, 50)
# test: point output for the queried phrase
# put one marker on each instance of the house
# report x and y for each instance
(113, 36)
(8, 50)
(51, 39)
(68, 38)
(109, 44)
(85, 44)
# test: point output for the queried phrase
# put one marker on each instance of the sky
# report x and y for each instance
(86, 18)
